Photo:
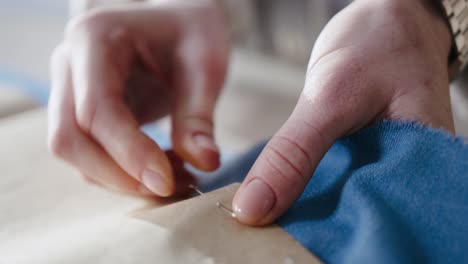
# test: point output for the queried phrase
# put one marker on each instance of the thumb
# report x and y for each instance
(282, 170)
(322, 115)
(198, 81)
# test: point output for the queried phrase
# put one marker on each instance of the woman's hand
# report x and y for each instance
(374, 60)
(120, 67)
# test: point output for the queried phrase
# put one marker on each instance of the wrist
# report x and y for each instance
(423, 22)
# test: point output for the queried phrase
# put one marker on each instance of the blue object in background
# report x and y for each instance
(37, 90)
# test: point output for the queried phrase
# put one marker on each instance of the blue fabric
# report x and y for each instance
(392, 193)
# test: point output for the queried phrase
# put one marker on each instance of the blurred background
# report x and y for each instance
(266, 75)
(29, 30)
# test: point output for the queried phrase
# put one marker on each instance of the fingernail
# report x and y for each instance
(155, 182)
(253, 202)
(205, 141)
(144, 190)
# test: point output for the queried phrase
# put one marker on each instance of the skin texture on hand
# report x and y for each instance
(118, 68)
(376, 59)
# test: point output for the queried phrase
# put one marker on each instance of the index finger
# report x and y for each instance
(100, 62)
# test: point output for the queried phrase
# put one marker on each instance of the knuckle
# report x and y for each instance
(289, 160)
(315, 136)
(85, 112)
(91, 25)
(199, 121)
(296, 150)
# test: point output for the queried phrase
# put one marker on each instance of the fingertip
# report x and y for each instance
(199, 150)
(159, 177)
(254, 202)
(155, 182)
(155, 169)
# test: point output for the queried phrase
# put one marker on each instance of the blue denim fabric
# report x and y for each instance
(392, 193)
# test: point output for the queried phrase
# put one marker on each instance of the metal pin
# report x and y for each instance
(191, 186)
(225, 209)
(218, 204)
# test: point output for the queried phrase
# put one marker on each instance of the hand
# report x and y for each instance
(374, 60)
(121, 67)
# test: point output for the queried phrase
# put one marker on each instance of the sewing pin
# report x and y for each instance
(225, 209)
(193, 187)
(218, 204)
